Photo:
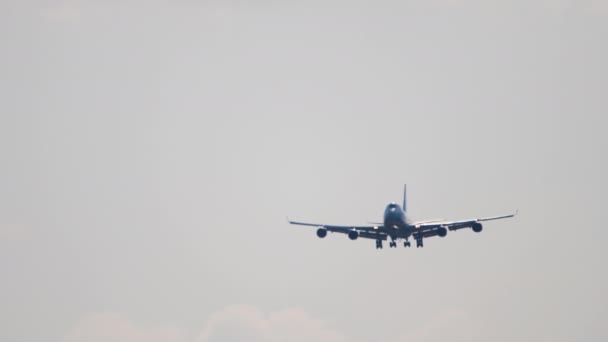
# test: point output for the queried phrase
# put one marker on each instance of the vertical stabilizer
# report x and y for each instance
(405, 198)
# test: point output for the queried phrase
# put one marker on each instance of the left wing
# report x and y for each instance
(366, 232)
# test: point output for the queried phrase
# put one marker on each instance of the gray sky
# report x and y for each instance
(150, 151)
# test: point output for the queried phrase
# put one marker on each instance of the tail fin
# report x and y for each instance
(405, 198)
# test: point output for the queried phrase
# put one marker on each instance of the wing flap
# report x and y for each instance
(371, 235)
(339, 229)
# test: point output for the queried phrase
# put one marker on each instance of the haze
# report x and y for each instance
(151, 150)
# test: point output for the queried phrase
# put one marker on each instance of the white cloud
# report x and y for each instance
(105, 327)
(233, 323)
(598, 7)
(453, 324)
(63, 11)
(247, 323)
(13, 232)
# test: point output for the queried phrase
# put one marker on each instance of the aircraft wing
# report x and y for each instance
(456, 225)
(366, 232)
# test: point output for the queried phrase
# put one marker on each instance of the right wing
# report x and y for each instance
(366, 232)
(456, 225)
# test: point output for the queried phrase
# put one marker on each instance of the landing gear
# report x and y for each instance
(419, 243)
(378, 244)
(393, 244)
(407, 244)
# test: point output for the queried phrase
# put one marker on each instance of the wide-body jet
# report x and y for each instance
(397, 225)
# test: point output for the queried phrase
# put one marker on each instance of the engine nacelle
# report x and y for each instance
(442, 232)
(353, 235)
(477, 227)
(321, 232)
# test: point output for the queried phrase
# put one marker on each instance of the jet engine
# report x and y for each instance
(353, 235)
(321, 232)
(442, 232)
(477, 227)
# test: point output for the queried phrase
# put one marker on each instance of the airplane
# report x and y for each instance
(397, 226)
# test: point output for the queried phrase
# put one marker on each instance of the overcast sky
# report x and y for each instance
(151, 150)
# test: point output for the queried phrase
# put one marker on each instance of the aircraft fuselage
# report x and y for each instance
(396, 222)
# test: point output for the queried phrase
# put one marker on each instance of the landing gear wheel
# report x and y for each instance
(378, 244)
(407, 244)
(393, 244)
(419, 243)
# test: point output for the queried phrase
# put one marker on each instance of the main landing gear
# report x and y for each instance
(378, 244)
(393, 244)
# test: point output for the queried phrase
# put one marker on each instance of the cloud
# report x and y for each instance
(598, 7)
(62, 11)
(104, 327)
(239, 323)
(248, 323)
(13, 232)
(453, 324)
(233, 323)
